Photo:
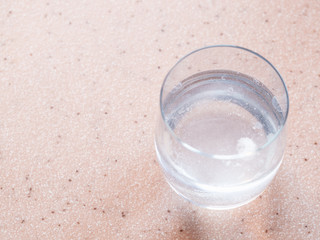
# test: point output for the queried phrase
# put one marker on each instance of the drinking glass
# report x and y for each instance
(220, 137)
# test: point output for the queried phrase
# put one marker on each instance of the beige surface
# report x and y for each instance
(79, 90)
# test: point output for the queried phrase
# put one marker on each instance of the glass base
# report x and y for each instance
(222, 198)
(216, 207)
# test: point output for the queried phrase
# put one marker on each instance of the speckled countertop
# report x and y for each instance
(79, 95)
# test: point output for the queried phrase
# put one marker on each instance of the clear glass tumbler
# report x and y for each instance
(221, 136)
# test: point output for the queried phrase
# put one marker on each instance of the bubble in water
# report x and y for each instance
(227, 163)
(181, 111)
(257, 125)
(237, 164)
(177, 87)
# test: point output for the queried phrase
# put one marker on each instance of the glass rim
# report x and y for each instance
(224, 156)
